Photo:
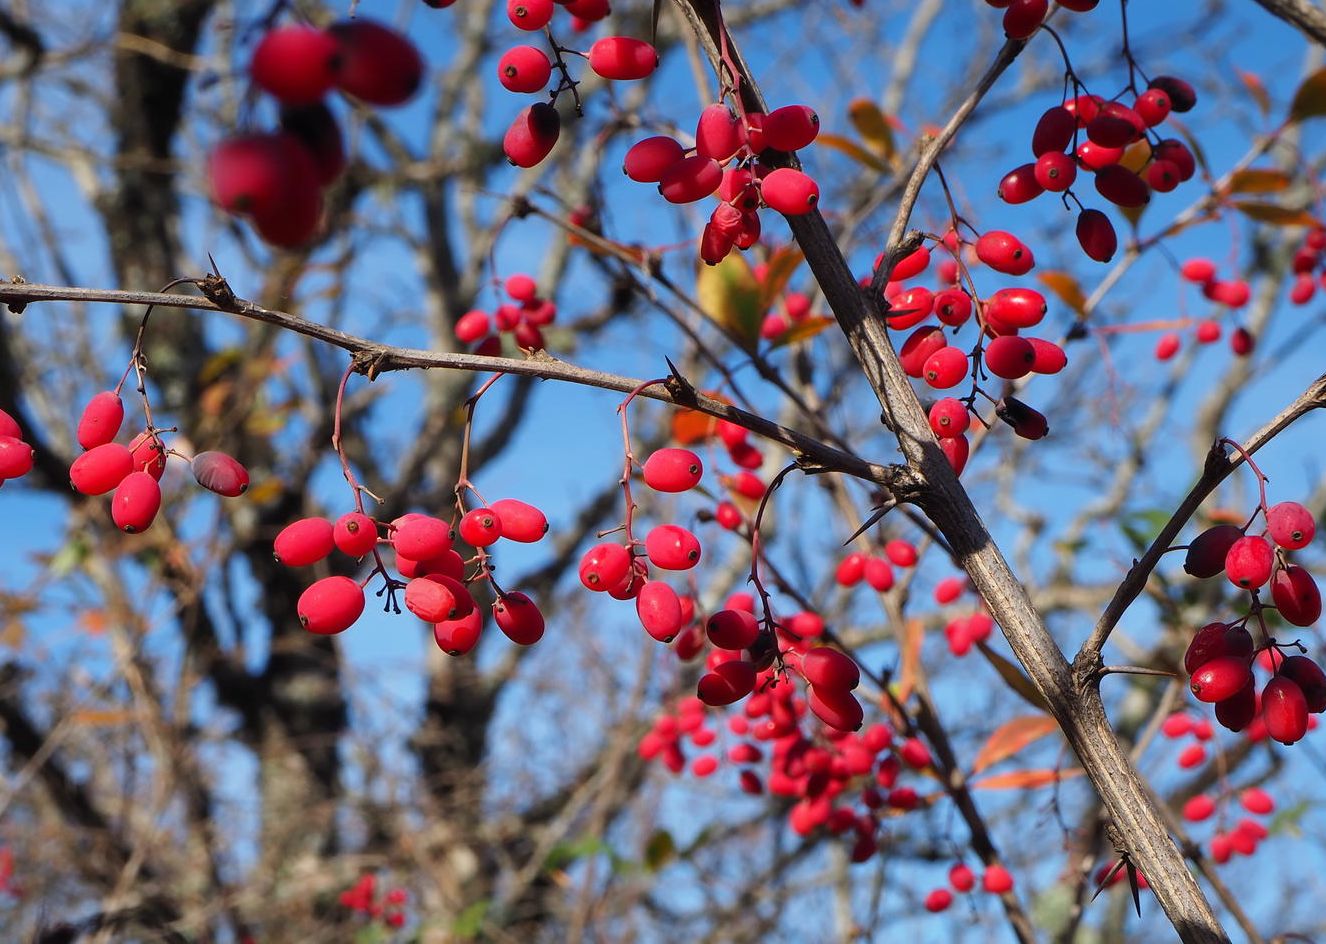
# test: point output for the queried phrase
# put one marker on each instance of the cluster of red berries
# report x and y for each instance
(875, 569)
(732, 158)
(1001, 349)
(276, 178)
(1231, 293)
(1307, 261)
(1220, 656)
(793, 309)
(134, 472)
(523, 320)
(1023, 17)
(436, 586)
(619, 570)
(15, 453)
(363, 897)
(1246, 833)
(528, 69)
(996, 880)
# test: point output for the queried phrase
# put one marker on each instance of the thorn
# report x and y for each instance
(682, 390)
(878, 512)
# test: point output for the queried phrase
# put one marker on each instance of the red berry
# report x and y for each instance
(1310, 678)
(9, 426)
(1181, 95)
(521, 521)
(421, 537)
(1248, 562)
(946, 368)
(1115, 126)
(532, 135)
(1022, 17)
(378, 65)
(1296, 596)
(315, 128)
(1256, 800)
(1241, 342)
(101, 419)
(830, 669)
(672, 470)
(524, 69)
(1055, 171)
(690, 179)
(672, 547)
(1096, 236)
(1285, 710)
(837, 708)
(1162, 176)
(997, 880)
(1097, 157)
(431, 600)
(330, 605)
(480, 527)
(622, 57)
(732, 629)
(1291, 525)
(1198, 808)
(1121, 186)
(529, 15)
(901, 552)
(1010, 357)
(1167, 346)
(95, 472)
(727, 683)
(1192, 756)
(1240, 709)
(1217, 641)
(355, 534)
(659, 609)
(296, 64)
(719, 133)
(949, 417)
(472, 326)
(1017, 307)
(952, 306)
(648, 160)
(1220, 678)
(1054, 131)
(791, 128)
(16, 460)
(1177, 153)
(789, 191)
(1026, 422)
(850, 570)
(956, 450)
(519, 618)
(878, 574)
(604, 566)
(1049, 357)
(458, 636)
(1207, 552)
(920, 346)
(304, 542)
(1021, 184)
(136, 502)
(1004, 253)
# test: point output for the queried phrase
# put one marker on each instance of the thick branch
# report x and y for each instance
(1309, 19)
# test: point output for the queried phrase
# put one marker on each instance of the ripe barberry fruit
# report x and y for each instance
(1206, 554)
(732, 629)
(1308, 675)
(997, 880)
(648, 160)
(220, 473)
(297, 65)
(672, 470)
(136, 502)
(956, 450)
(791, 128)
(519, 618)
(946, 367)
(1096, 236)
(1219, 679)
(1121, 186)
(719, 133)
(1167, 345)
(1290, 525)
(1054, 131)
(1021, 185)
(790, 191)
(829, 668)
(1055, 171)
(16, 460)
(622, 58)
(355, 534)
(690, 179)
(1009, 357)
(1285, 710)
(420, 537)
(377, 64)
(949, 417)
(1027, 422)
(532, 135)
(952, 306)
(838, 708)
(101, 419)
(304, 542)
(1239, 710)
(961, 877)
(672, 547)
(521, 521)
(524, 69)
(1023, 17)
(431, 600)
(659, 609)
(1217, 641)
(330, 605)
(727, 683)
(1248, 562)
(529, 15)
(604, 566)
(458, 636)
(96, 471)
(1004, 253)
(1181, 95)
(315, 128)
(878, 574)
(1296, 595)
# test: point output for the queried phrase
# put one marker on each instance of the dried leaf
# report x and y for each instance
(1011, 737)
(1274, 214)
(1310, 99)
(803, 330)
(853, 150)
(1258, 180)
(872, 125)
(1066, 288)
(913, 634)
(101, 717)
(729, 294)
(1257, 89)
(13, 634)
(1013, 676)
(1025, 779)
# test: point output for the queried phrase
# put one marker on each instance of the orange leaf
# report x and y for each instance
(912, 636)
(1310, 99)
(1274, 214)
(692, 426)
(1025, 779)
(873, 126)
(1257, 180)
(783, 262)
(93, 621)
(1066, 288)
(1257, 89)
(803, 330)
(853, 150)
(101, 717)
(1012, 737)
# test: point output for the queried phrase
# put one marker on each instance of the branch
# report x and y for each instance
(373, 358)
(1309, 19)
(1218, 468)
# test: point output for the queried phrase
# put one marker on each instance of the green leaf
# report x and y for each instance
(659, 850)
(1289, 820)
(564, 853)
(469, 922)
(1310, 99)
(729, 294)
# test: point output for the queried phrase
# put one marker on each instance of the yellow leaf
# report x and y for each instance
(267, 490)
(1025, 779)
(1012, 675)
(1274, 214)
(853, 150)
(1310, 99)
(1066, 288)
(783, 262)
(872, 125)
(1012, 737)
(1257, 89)
(1257, 180)
(1136, 156)
(803, 330)
(729, 294)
